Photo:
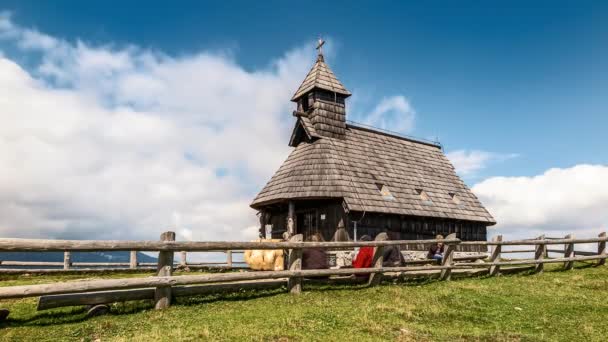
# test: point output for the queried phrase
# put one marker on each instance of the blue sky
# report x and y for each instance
(513, 88)
(509, 78)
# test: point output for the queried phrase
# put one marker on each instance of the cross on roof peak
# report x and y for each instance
(320, 44)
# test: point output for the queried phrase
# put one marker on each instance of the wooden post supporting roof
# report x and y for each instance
(162, 294)
(291, 219)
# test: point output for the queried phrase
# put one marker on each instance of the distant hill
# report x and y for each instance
(119, 256)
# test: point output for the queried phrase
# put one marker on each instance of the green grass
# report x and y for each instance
(554, 306)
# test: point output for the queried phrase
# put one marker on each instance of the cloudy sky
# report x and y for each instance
(121, 122)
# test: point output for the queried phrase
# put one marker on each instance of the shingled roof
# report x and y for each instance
(374, 171)
(320, 76)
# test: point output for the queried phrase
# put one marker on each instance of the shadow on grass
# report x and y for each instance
(71, 315)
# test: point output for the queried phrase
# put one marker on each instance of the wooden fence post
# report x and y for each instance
(569, 252)
(539, 254)
(448, 259)
(294, 284)
(229, 258)
(183, 261)
(162, 294)
(133, 259)
(495, 269)
(67, 260)
(601, 249)
(378, 259)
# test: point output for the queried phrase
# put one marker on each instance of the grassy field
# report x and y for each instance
(554, 306)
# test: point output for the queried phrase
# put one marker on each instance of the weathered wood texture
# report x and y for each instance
(106, 297)
(133, 259)
(295, 264)
(24, 245)
(539, 255)
(162, 294)
(74, 270)
(569, 252)
(129, 283)
(536, 241)
(601, 249)
(67, 260)
(495, 270)
(378, 259)
(448, 260)
(229, 258)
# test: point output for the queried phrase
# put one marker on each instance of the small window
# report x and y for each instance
(385, 192)
(424, 197)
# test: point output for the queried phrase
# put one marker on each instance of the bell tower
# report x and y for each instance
(321, 98)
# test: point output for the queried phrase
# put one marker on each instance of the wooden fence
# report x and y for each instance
(68, 266)
(164, 286)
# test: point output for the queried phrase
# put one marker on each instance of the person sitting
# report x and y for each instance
(365, 256)
(392, 256)
(343, 258)
(314, 258)
(436, 250)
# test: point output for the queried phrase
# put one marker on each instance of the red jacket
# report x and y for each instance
(364, 258)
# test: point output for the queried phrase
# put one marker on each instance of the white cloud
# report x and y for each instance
(559, 201)
(393, 113)
(107, 142)
(467, 163)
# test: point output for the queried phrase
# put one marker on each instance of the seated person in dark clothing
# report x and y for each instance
(392, 254)
(314, 258)
(436, 250)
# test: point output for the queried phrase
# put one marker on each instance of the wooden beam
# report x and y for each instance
(133, 259)
(291, 218)
(183, 259)
(162, 294)
(229, 258)
(378, 259)
(539, 255)
(67, 260)
(106, 297)
(533, 242)
(294, 285)
(448, 259)
(601, 249)
(74, 270)
(495, 270)
(569, 252)
(41, 245)
(130, 283)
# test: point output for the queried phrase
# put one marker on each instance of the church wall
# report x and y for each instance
(327, 213)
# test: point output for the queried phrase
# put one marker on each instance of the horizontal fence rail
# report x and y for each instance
(25, 245)
(164, 285)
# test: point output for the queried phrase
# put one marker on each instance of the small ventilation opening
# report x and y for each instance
(424, 197)
(385, 192)
(456, 199)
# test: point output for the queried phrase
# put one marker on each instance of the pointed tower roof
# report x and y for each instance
(320, 76)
